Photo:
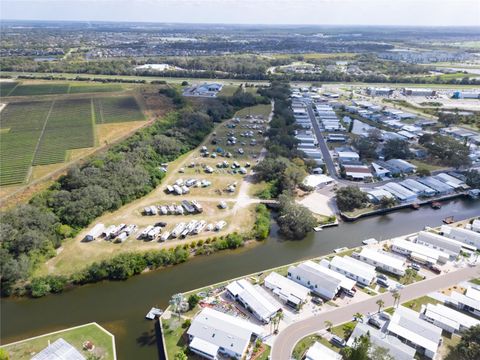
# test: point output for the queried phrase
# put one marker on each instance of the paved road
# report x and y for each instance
(327, 158)
(288, 337)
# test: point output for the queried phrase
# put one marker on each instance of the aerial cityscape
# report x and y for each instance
(258, 180)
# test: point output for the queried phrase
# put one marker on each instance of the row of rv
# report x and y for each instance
(307, 141)
(409, 190)
(181, 230)
(181, 187)
(116, 233)
(186, 207)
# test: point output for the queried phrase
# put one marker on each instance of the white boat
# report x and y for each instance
(339, 250)
(370, 241)
(317, 228)
(153, 313)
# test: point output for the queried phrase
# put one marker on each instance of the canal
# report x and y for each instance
(121, 306)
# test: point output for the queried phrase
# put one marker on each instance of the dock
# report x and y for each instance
(153, 313)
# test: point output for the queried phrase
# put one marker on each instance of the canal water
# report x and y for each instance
(121, 306)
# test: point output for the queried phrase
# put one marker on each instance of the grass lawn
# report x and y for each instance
(303, 345)
(265, 354)
(389, 310)
(475, 281)
(416, 304)
(103, 341)
(173, 333)
(368, 291)
(228, 90)
(340, 329)
(425, 165)
(260, 109)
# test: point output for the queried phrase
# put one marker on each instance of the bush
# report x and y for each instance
(261, 229)
(193, 301)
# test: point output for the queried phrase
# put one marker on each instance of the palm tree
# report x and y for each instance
(358, 316)
(279, 316)
(328, 324)
(380, 304)
(396, 298)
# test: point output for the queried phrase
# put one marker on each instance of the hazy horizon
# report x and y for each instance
(426, 13)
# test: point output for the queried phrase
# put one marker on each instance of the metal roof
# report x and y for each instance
(59, 350)
(354, 266)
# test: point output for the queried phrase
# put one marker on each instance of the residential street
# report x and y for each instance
(288, 337)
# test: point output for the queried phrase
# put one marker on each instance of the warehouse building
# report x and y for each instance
(213, 333)
(417, 187)
(419, 253)
(465, 236)
(439, 242)
(451, 181)
(354, 269)
(418, 92)
(401, 193)
(376, 195)
(382, 260)
(290, 292)
(254, 299)
(415, 332)
(402, 165)
(440, 187)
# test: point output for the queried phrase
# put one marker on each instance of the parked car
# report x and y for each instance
(415, 266)
(435, 269)
(161, 224)
(383, 277)
(384, 315)
(382, 283)
(349, 293)
(338, 341)
(375, 323)
(317, 300)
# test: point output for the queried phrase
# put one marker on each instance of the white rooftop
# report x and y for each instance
(407, 324)
(354, 266)
(59, 350)
(419, 249)
(449, 316)
(382, 257)
(320, 352)
(287, 287)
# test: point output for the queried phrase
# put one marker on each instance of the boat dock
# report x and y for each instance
(153, 313)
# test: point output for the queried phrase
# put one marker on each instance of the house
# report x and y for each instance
(376, 195)
(382, 260)
(469, 301)
(320, 352)
(357, 172)
(254, 299)
(290, 292)
(393, 170)
(380, 171)
(417, 187)
(396, 349)
(418, 252)
(465, 236)
(439, 242)
(407, 326)
(447, 318)
(213, 333)
(95, 232)
(402, 165)
(440, 187)
(59, 350)
(400, 192)
(346, 156)
(476, 225)
(313, 276)
(354, 269)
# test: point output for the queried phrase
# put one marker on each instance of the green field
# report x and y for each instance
(117, 109)
(103, 342)
(41, 132)
(40, 89)
(6, 87)
(91, 88)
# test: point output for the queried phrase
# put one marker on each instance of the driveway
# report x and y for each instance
(288, 337)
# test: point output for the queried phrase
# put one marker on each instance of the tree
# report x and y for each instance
(180, 355)
(446, 151)
(396, 298)
(379, 353)
(350, 198)
(473, 178)
(358, 316)
(396, 149)
(348, 329)
(294, 220)
(193, 301)
(409, 276)
(448, 118)
(387, 202)
(380, 304)
(469, 346)
(366, 147)
(359, 350)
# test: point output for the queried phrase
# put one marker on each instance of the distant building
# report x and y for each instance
(59, 350)
(466, 95)
(402, 165)
(379, 91)
(213, 333)
(418, 92)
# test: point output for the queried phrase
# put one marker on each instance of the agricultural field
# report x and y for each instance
(44, 132)
(92, 88)
(40, 89)
(6, 87)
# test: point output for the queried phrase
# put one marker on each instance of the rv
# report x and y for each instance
(178, 229)
(220, 225)
(143, 234)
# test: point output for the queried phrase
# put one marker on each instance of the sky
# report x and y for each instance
(312, 12)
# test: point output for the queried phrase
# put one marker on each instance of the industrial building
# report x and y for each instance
(440, 187)
(382, 260)
(375, 195)
(354, 269)
(400, 192)
(418, 92)
(290, 292)
(417, 187)
(402, 165)
(419, 253)
(451, 181)
(254, 299)
(413, 331)
(213, 333)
